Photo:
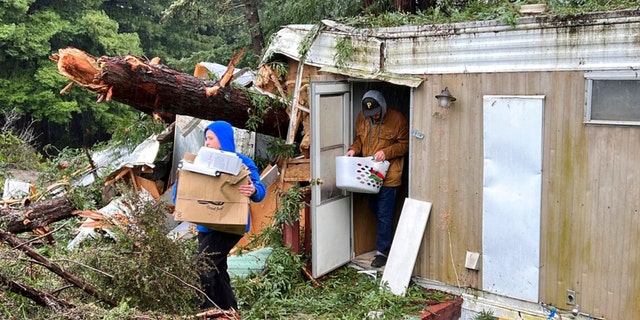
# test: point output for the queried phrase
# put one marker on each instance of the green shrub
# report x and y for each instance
(17, 154)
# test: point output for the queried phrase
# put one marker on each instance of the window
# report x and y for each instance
(612, 98)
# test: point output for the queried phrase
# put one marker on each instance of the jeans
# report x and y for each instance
(383, 205)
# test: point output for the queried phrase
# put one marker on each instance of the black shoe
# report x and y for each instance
(379, 261)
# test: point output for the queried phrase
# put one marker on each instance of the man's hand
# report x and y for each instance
(350, 153)
(379, 156)
(247, 189)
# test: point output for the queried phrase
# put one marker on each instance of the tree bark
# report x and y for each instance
(158, 90)
(36, 216)
(253, 19)
(15, 243)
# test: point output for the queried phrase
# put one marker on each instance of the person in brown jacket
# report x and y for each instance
(382, 133)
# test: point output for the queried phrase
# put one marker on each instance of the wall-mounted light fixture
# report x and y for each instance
(445, 98)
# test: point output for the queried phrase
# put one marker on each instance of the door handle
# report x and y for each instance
(316, 181)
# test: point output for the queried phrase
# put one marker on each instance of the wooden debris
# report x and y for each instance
(102, 221)
(219, 314)
(311, 278)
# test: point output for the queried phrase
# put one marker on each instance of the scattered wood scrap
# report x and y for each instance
(218, 314)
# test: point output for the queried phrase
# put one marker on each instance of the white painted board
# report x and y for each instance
(511, 196)
(405, 245)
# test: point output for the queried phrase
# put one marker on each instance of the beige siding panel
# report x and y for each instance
(590, 192)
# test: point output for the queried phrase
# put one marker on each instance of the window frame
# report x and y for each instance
(606, 75)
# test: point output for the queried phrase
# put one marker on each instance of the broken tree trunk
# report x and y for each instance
(37, 216)
(163, 92)
(15, 243)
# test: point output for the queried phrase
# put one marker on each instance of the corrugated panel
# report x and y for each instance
(590, 42)
(364, 64)
(287, 41)
(590, 47)
(244, 80)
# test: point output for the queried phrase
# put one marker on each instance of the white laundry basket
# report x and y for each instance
(360, 174)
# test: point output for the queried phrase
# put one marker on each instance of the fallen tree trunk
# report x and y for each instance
(163, 92)
(15, 243)
(36, 217)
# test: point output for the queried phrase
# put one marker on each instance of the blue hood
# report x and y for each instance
(224, 132)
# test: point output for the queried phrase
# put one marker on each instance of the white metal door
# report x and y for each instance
(330, 207)
(512, 195)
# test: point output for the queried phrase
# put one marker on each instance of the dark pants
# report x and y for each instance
(215, 281)
(383, 205)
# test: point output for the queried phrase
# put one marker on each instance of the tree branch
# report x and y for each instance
(15, 243)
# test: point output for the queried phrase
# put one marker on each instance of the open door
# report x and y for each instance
(331, 223)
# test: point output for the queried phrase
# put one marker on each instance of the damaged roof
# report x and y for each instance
(405, 55)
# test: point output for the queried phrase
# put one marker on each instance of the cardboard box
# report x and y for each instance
(212, 201)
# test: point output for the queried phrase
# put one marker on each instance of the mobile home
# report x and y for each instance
(532, 172)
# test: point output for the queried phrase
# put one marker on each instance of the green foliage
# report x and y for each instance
(99, 26)
(276, 13)
(450, 11)
(305, 45)
(17, 154)
(278, 148)
(220, 31)
(485, 315)
(504, 11)
(261, 106)
(279, 68)
(189, 32)
(141, 268)
(148, 270)
(23, 94)
(17, 149)
(86, 197)
(31, 30)
(379, 7)
(290, 203)
(28, 36)
(133, 130)
(344, 51)
(281, 292)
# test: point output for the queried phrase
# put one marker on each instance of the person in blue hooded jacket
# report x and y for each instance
(215, 245)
